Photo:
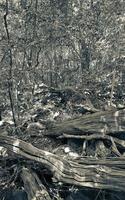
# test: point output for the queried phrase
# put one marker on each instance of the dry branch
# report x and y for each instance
(121, 143)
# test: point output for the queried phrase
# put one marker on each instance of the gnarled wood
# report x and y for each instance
(80, 171)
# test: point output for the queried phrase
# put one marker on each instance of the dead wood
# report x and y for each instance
(33, 186)
(81, 171)
(119, 142)
(102, 123)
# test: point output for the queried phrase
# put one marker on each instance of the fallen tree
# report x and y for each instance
(104, 122)
(103, 125)
(79, 171)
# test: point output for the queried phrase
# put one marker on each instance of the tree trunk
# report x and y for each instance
(79, 171)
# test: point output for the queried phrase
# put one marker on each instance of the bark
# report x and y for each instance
(102, 123)
(33, 186)
(80, 171)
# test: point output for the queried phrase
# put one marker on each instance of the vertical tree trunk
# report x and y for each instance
(10, 78)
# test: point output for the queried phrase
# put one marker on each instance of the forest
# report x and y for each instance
(62, 100)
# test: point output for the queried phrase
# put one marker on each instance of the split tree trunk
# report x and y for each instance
(80, 171)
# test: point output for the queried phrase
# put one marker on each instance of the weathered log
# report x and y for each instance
(105, 125)
(104, 122)
(80, 171)
(33, 186)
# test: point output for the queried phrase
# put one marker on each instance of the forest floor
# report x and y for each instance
(51, 123)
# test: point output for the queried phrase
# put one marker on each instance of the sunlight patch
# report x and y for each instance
(16, 146)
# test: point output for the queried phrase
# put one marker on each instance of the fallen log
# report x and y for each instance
(105, 122)
(33, 186)
(80, 171)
